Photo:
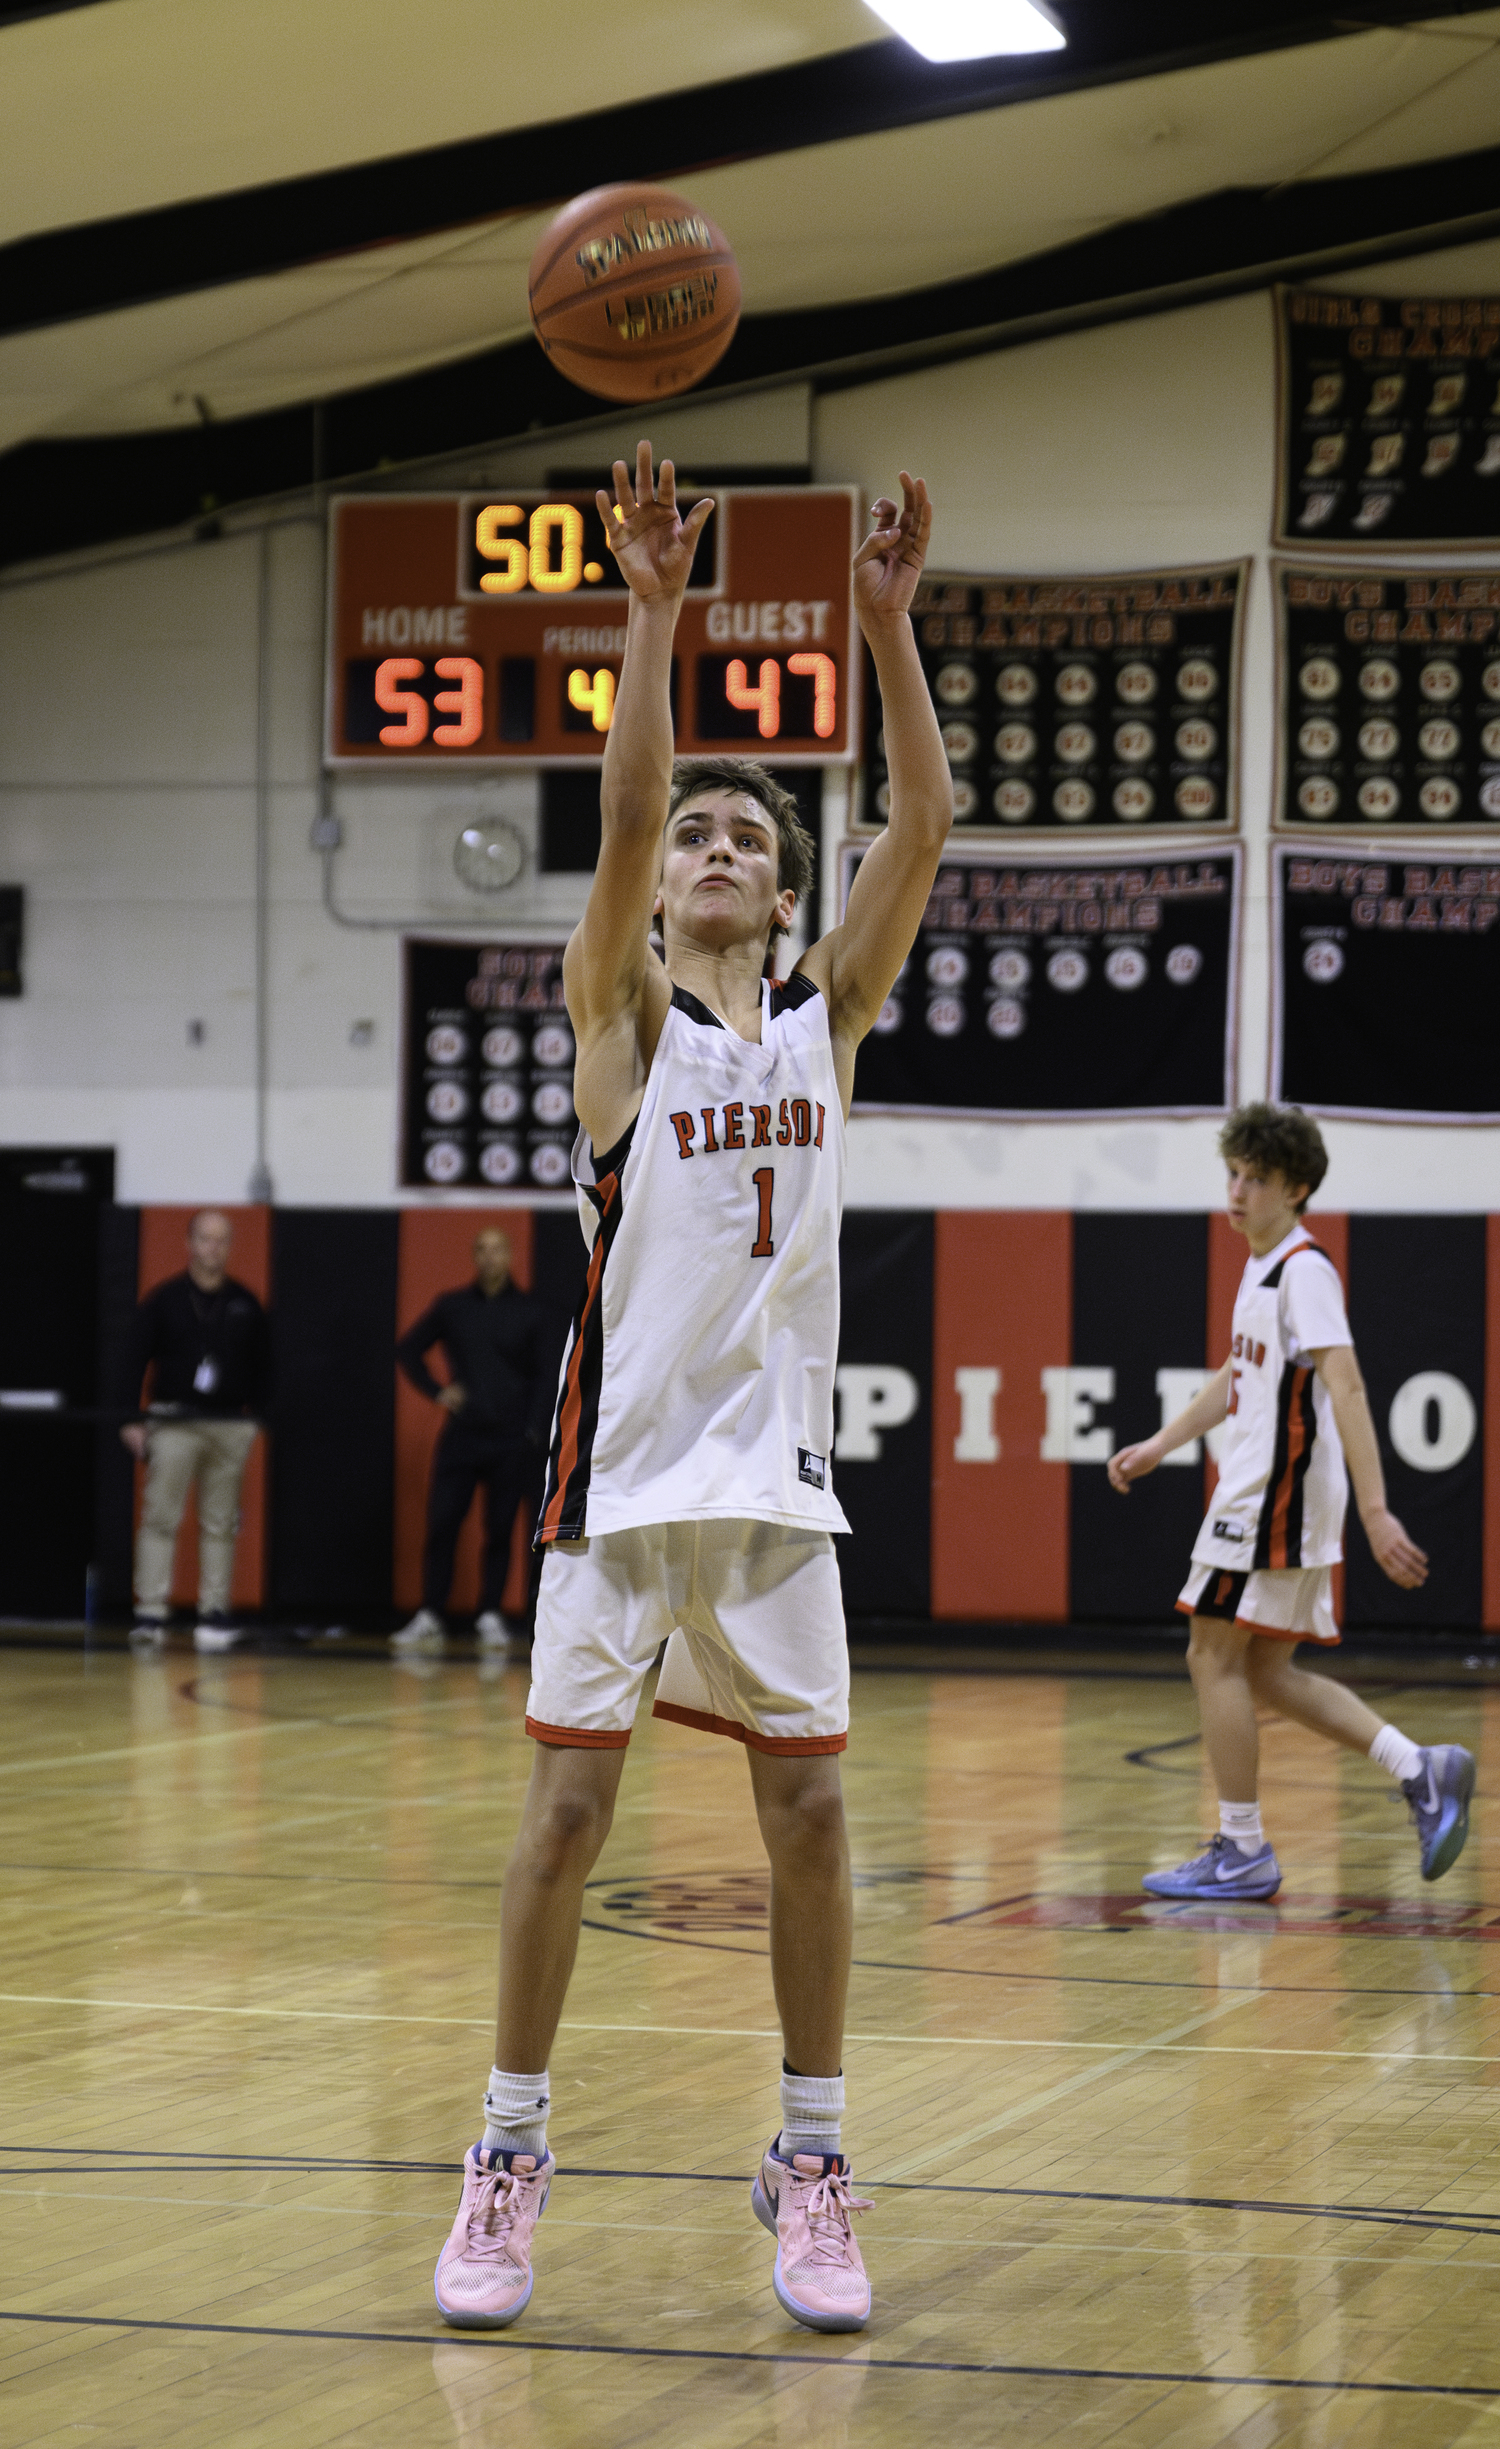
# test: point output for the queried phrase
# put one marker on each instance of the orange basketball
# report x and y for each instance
(634, 293)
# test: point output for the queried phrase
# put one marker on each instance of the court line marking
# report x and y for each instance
(861, 1964)
(1092, 1981)
(296, 2208)
(222, 2163)
(732, 2355)
(1114, 2064)
(1125, 2054)
(351, 1723)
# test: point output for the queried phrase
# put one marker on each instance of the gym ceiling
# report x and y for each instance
(250, 244)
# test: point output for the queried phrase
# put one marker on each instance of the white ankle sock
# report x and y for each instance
(515, 2112)
(812, 2107)
(1240, 1823)
(1396, 1754)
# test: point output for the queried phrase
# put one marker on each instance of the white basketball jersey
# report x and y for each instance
(698, 1378)
(1279, 1504)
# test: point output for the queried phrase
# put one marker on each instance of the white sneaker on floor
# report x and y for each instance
(147, 1636)
(424, 1635)
(214, 1633)
(490, 1628)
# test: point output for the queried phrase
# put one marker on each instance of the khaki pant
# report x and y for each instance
(179, 1452)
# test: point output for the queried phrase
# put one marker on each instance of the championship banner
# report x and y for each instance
(1387, 984)
(487, 1067)
(1390, 419)
(1389, 691)
(1087, 986)
(1079, 704)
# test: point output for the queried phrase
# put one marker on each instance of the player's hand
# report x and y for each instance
(653, 546)
(133, 1436)
(1399, 1558)
(453, 1398)
(889, 562)
(1132, 1463)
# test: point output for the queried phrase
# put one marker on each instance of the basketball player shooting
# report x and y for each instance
(689, 1494)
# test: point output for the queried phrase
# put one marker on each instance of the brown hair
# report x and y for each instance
(794, 844)
(1277, 1139)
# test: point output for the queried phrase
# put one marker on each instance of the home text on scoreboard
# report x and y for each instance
(490, 629)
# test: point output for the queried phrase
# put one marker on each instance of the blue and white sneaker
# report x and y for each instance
(1439, 1800)
(1221, 1870)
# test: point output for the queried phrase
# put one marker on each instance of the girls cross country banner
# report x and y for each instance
(1390, 419)
(1099, 705)
(1041, 986)
(1389, 690)
(1387, 983)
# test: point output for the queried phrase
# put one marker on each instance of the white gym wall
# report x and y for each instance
(132, 706)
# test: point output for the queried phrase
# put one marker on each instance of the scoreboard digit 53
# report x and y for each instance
(489, 629)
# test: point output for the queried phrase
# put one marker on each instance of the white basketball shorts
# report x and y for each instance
(752, 1615)
(1283, 1606)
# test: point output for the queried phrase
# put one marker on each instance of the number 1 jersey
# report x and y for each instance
(1279, 1503)
(698, 1378)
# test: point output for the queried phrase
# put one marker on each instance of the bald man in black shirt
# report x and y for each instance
(204, 1337)
(499, 1398)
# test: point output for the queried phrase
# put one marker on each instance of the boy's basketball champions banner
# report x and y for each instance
(1390, 420)
(1080, 704)
(487, 1067)
(1387, 982)
(1389, 689)
(1085, 985)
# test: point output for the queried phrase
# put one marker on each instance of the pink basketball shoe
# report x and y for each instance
(484, 2277)
(806, 2203)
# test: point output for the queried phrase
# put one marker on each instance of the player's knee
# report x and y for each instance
(1272, 1674)
(1214, 1647)
(806, 1824)
(565, 1832)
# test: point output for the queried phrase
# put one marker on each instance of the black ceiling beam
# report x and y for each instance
(58, 276)
(59, 496)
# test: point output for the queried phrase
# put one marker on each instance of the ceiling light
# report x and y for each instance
(970, 29)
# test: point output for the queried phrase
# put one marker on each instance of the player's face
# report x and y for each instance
(1262, 1206)
(719, 870)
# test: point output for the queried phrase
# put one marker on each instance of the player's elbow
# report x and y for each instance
(924, 817)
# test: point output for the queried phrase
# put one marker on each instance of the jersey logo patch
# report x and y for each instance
(812, 1467)
(1231, 1531)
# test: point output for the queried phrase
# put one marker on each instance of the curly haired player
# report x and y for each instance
(1293, 1405)
(689, 1494)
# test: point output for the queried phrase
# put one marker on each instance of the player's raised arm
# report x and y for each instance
(857, 964)
(654, 547)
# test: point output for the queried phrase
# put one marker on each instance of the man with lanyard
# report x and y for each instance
(204, 1336)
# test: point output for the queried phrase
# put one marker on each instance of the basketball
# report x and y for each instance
(634, 293)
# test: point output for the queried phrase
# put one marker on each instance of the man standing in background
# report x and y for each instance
(502, 1377)
(205, 1338)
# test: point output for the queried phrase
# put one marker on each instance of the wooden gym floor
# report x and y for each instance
(1148, 2176)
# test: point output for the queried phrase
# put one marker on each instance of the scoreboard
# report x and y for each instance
(489, 629)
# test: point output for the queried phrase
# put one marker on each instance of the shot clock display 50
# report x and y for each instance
(490, 629)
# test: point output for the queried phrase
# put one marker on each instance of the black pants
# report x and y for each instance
(510, 1471)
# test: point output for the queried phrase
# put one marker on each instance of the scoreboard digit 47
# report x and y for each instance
(490, 629)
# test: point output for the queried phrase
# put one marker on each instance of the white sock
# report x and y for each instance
(515, 2112)
(812, 2107)
(1240, 1823)
(1397, 1754)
